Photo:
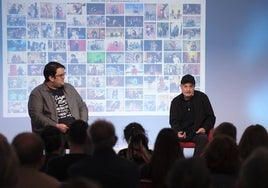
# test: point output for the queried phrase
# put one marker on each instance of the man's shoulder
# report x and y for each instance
(178, 97)
(35, 177)
(200, 93)
(68, 86)
(40, 87)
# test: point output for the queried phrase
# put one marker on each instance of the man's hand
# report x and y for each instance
(62, 127)
(201, 131)
(181, 135)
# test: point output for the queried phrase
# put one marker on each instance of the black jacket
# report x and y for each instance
(203, 116)
(108, 169)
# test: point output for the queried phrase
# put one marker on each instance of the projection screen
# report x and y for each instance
(124, 57)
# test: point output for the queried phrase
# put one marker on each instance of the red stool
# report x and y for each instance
(192, 144)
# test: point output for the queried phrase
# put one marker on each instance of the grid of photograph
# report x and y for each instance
(123, 58)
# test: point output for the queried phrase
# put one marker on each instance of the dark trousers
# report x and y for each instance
(200, 140)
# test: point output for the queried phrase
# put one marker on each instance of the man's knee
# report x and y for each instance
(201, 138)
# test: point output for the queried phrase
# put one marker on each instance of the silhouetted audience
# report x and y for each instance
(29, 148)
(138, 150)
(54, 144)
(222, 159)
(189, 173)
(254, 170)
(225, 128)
(254, 136)
(105, 166)
(166, 151)
(78, 142)
(9, 164)
(92, 162)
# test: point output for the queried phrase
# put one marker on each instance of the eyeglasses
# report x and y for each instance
(61, 75)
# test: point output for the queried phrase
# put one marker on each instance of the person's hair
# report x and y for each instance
(51, 69)
(225, 128)
(3, 138)
(134, 134)
(29, 148)
(188, 79)
(102, 134)
(133, 129)
(9, 165)
(77, 132)
(52, 138)
(79, 182)
(254, 170)
(189, 172)
(166, 151)
(222, 155)
(253, 137)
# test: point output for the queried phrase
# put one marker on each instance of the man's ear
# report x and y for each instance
(51, 78)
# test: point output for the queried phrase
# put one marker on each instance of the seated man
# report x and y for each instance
(191, 115)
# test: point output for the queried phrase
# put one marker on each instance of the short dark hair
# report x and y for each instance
(188, 79)
(52, 138)
(29, 148)
(189, 172)
(102, 134)
(51, 69)
(77, 132)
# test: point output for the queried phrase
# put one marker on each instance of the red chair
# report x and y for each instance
(192, 144)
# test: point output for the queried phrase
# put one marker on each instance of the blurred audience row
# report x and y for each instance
(32, 160)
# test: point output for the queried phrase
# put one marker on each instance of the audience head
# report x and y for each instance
(133, 129)
(134, 134)
(137, 140)
(222, 155)
(189, 172)
(8, 165)
(254, 170)
(225, 128)
(167, 137)
(253, 137)
(102, 134)
(52, 138)
(77, 133)
(29, 148)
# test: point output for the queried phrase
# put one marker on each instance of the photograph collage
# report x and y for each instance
(122, 57)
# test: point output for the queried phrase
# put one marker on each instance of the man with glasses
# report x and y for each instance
(54, 102)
